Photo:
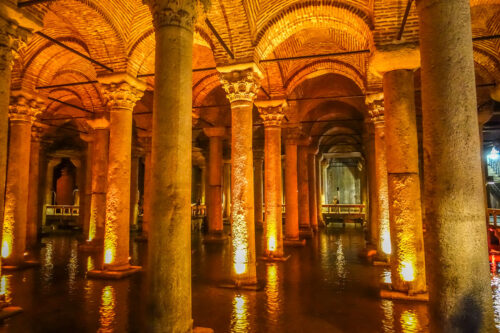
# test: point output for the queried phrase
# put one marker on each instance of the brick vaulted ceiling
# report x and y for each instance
(119, 34)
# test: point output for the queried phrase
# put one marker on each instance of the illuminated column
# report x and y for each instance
(227, 189)
(86, 193)
(291, 187)
(34, 188)
(134, 189)
(146, 205)
(241, 83)
(22, 112)
(214, 193)
(320, 197)
(372, 195)
(169, 239)
(407, 259)
(311, 171)
(203, 186)
(258, 160)
(121, 91)
(456, 243)
(272, 115)
(380, 217)
(303, 187)
(99, 176)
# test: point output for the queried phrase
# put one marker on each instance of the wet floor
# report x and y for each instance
(323, 287)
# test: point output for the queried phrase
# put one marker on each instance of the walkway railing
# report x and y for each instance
(343, 209)
(198, 211)
(62, 210)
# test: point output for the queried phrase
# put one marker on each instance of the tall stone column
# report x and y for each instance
(303, 187)
(380, 216)
(203, 185)
(272, 115)
(320, 194)
(22, 112)
(258, 161)
(134, 189)
(146, 205)
(169, 242)
(34, 188)
(121, 91)
(227, 189)
(86, 191)
(311, 171)
(291, 188)
(241, 83)
(214, 197)
(99, 176)
(456, 244)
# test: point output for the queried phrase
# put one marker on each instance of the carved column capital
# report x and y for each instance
(36, 133)
(387, 58)
(241, 82)
(292, 135)
(179, 13)
(24, 107)
(375, 105)
(121, 91)
(271, 112)
(98, 123)
(12, 38)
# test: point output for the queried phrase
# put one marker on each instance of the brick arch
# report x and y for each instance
(328, 14)
(487, 60)
(324, 66)
(67, 95)
(203, 87)
(474, 3)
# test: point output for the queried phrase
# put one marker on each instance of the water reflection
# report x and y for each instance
(409, 322)
(495, 284)
(273, 294)
(5, 288)
(107, 310)
(388, 320)
(72, 266)
(47, 255)
(340, 262)
(239, 317)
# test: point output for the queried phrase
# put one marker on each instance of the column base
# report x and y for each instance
(294, 242)
(369, 252)
(274, 259)
(8, 311)
(243, 286)
(91, 246)
(20, 266)
(405, 296)
(377, 262)
(113, 275)
(141, 238)
(306, 232)
(202, 330)
(216, 237)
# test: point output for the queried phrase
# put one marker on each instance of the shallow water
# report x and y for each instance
(323, 287)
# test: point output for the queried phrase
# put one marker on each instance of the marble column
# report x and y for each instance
(272, 115)
(22, 112)
(214, 193)
(258, 161)
(303, 187)
(407, 259)
(311, 171)
(291, 186)
(99, 176)
(169, 239)
(146, 205)
(34, 188)
(241, 83)
(121, 92)
(380, 216)
(227, 189)
(456, 245)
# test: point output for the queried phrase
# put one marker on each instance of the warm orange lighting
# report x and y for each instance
(6, 247)
(109, 255)
(240, 260)
(272, 292)
(5, 288)
(239, 318)
(385, 239)
(90, 263)
(407, 271)
(240, 244)
(107, 309)
(409, 322)
(271, 244)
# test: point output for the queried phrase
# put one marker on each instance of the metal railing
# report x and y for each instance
(343, 209)
(62, 210)
(198, 211)
(493, 220)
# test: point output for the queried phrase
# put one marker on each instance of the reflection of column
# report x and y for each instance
(241, 83)
(146, 205)
(291, 186)
(303, 186)
(311, 171)
(258, 160)
(121, 92)
(272, 114)
(134, 189)
(34, 188)
(22, 113)
(456, 243)
(227, 189)
(380, 218)
(203, 187)
(214, 195)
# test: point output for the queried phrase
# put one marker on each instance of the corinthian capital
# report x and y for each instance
(375, 105)
(271, 112)
(180, 13)
(241, 82)
(121, 91)
(12, 38)
(24, 107)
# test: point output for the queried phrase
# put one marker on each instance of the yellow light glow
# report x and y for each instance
(107, 309)
(271, 244)
(273, 293)
(240, 260)
(8, 228)
(407, 271)
(385, 240)
(90, 263)
(240, 243)
(239, 318)
(109, 256)
(409, 322)
(6, 248)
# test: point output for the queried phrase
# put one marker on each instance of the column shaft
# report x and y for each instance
(34, 189)
(291, 192)
(303, 186)
(313, 207)
(258, 184)
(459, 285)
(227, 190)
(214, 199)
(146, 206)
(134, 192)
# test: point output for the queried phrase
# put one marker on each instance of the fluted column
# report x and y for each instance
(303, 187)
(241, 83)
(214, 195)
(34, 188)
(291, 186)
(258, 168)
(22, 112)
(456, 244)
(99, 176)
(169, 262)
(272, 115)
(311, 171)
(380, 217)
(121, 92)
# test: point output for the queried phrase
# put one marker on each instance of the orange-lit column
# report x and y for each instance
(227, 189)
(258, 161)
(22, 112)
(241, 83)
(121, 91)
(214, 195)
(320, 190)
(99, 176)
(272, 115)
(380, 218)
(456, 244)
(134, 188)
(291, 187)
(146, 205)
(303, 187)
(311, 171)
(34, 188)
(407, 260)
